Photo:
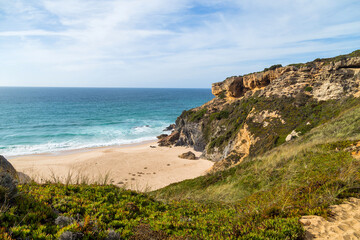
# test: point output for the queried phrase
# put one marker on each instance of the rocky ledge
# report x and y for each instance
(327, 80)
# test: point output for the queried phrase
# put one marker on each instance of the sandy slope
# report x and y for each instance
(135, 167)
(345, 224)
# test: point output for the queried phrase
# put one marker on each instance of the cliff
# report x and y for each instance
(253, 113)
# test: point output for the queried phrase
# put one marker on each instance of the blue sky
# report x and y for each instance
(162, 43)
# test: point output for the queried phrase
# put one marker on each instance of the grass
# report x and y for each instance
(98, 210)
(196, 116)
(355, 53)
(259, 171)
(303, 177)
(300, 114)
(262, 198)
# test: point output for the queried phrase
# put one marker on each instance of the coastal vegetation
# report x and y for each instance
(302, 156)
(262, 198)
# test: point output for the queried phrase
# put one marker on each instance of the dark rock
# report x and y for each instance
(9, 178)
(188, 155)
(112, 235)
(169, 140)
(162, 136)
(5, 166)
(191, 134)
(8, 189)
(68, 235)
(170, 127)
(63, 221)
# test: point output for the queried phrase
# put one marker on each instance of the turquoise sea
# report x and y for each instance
(43, 120)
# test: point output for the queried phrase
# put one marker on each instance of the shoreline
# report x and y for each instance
(78, 150)
(133, 166)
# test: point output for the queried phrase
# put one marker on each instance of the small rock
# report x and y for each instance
(68, 235)
(112, 235)
(188, 155)
(170, 127)
(153, 146)
(63, 221)
(292, 136)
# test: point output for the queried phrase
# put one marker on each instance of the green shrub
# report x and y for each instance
(219, 115)
(222, 95)
(308, 89)
(273, 67)
(196, 116)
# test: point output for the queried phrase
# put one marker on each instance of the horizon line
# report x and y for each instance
(106, 87)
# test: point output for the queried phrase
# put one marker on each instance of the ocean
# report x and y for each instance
(47, 120)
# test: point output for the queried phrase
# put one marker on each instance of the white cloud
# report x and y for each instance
(165, 43)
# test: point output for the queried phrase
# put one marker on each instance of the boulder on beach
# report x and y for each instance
(188, 155)
(169, 140)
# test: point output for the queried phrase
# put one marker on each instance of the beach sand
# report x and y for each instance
(137, 167)
(343, 224)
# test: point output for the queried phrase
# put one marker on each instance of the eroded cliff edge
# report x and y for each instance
(253, 113)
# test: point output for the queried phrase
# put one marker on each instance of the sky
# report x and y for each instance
(162, 43)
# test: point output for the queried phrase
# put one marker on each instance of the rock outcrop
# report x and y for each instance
(253, 113)
(235, 87)
(170, 127)
(9, 178)
(7, 168)
(166, 141)
(188, 155)
(327, 80)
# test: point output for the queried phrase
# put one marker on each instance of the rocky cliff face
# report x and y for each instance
(253, 113)
(328, 80)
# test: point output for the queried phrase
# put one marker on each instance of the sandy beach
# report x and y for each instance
(137, 167)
